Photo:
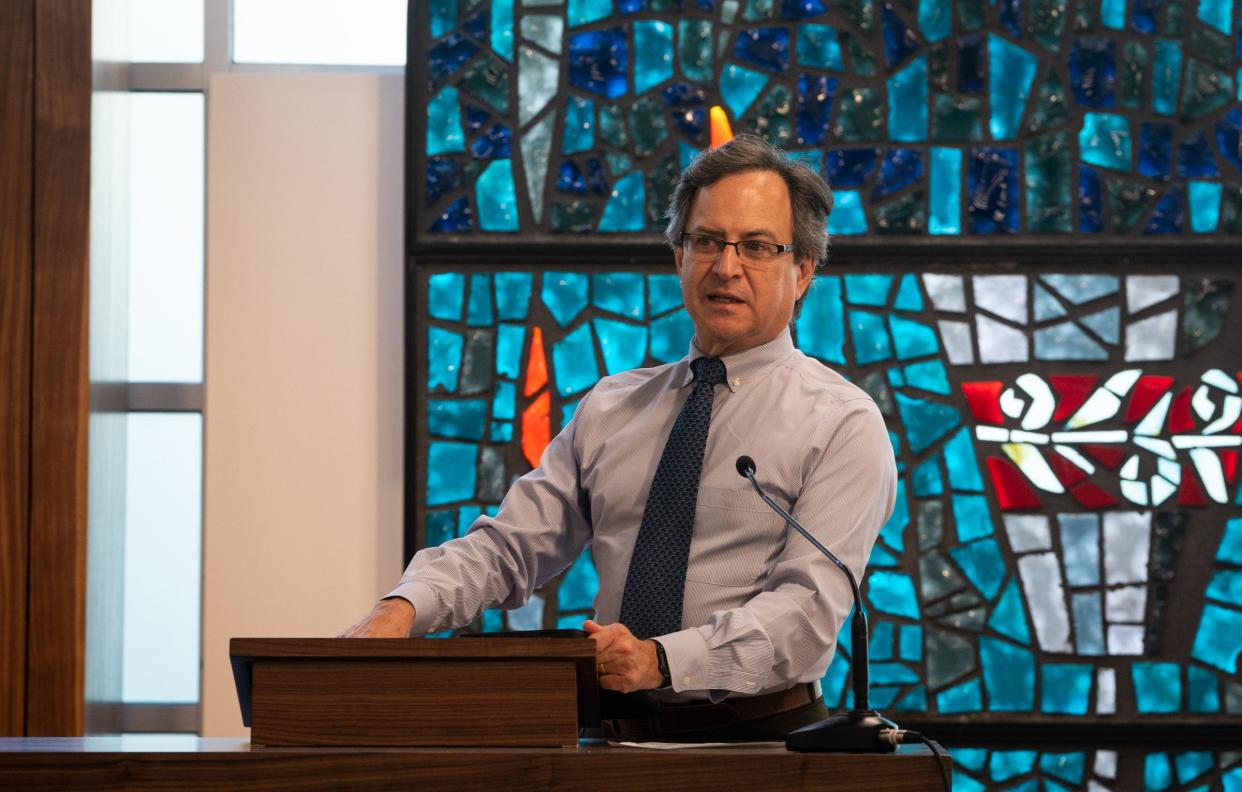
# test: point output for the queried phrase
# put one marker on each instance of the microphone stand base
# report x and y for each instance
(856, 731)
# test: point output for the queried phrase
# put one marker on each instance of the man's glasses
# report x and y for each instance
(754, 253)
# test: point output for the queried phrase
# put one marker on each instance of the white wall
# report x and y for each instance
(303, 425)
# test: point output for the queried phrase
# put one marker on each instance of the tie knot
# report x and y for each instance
(709, 370)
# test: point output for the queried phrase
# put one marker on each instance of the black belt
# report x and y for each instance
(673, 719)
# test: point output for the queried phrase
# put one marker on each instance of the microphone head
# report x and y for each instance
(745, 466)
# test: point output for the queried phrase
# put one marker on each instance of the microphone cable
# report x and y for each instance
(902, 736)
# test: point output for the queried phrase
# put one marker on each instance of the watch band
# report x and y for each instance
(666, 678)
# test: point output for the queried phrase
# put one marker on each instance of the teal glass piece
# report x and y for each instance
(487, 79)
(1104, 140)
(868, 289)
(1157, 687)
(536, 146)
(537, 83)
(1066, 341)
(981, 561)
(1230, 549)
(910, 643)
(670, 336)
(972, 516)
(914, 701)
(653, 54)
(1088, 623)
(929, 375)
(694, 49)
(479, 313)
(443, 17)
(871, 342)
(813, 159)
(821, 325)
(926, 479)
(960, 461)
(545, 30)
(883, 696)
(1157, 773)
(579, 132)
(1165, 77)
(444, 349)
(971, 758)
(1046, 306)
(1204, 206)
(1192, 764)
(1080, 549)
(451, 472)
(848, 217)
(909, 298)
(567, 412)
(913, 339)
(1113, 14)
(881, 645)
(833, 682)
(1226, 587)
(1106, 324)
(624, 345)
(946, 191)
(1049, 185)
(907, 102)
(624, 210)
(895, 527)
(663, 293)
(965, 697)
(1068, 767)
(881, 557)
(1065, 688)
(859, 115)
(618, 163)
(445, 292)
(818, 48)
(1008, 676)
(496, 198)
(529, 616)
(686, 154)
(612, 126)
(583, 12)
(620, 293)
(466, 516)
(512, 294)
(501, 432)
(573, 362)
(1008, 617)
(444, 135)
(461, 420)
(502, 29)
(573, 216)
(565, 294)
(1010, 72)
(1217, 14)
(661, 181)
(892, 674)
(440, 527)
(509, 344)
(892, 593)
(740, 87)
(925, 421)
(1203, 693)
(935, 19)
(579, 586)
(955, 119)
(1004, 765)
(504, 400)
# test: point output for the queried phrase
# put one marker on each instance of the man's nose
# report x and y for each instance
(727, 264)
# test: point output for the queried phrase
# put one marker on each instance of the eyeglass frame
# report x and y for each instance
(782, 249)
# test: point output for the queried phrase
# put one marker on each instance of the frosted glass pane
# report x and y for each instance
(166, 31)
(166, 238)
(362, 32)
(163, 554)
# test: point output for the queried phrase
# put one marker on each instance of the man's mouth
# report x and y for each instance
(724, 299)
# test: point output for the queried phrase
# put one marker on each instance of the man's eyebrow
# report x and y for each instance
(754, 233)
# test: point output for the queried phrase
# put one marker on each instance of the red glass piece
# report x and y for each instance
(1147, 391)
(1107, 456)
(1179, 414)
(1012, 491)
(1072, 391)
(1229, 462)
(1066, 471)
(536, 364)
(1190, 494)
(984, 401)
(537, 428)
(1092, 497)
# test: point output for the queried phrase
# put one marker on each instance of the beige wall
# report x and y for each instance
(303, 424)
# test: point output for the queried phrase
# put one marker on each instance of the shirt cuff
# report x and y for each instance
(426, 605)
(686, 651)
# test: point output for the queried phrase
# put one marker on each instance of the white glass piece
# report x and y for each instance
(1206, 441)
(1170, 469)
(537, 75)
(1106, 324)
(1046, 306)
(1037, 438)
(957, 343)
(1210, 473)
(1003, 295)
(1221, 380)
(1115, 436)
(1230, 412)
(1161, 448)
(1000, 343)
(1125, 639)
(319, 32)
(1129, 470)
(1144, 291)
(1127, 604)
(1152, 339)
(1106, 762)
(1080, 548)
(529, 616)
(1096, 786)
(536, 145)
(166, 31)
(1127, 539)
(545, 30)
(1041, 581)
(1078, 459)
(1161, 490)
(1121, 382)
(1102, 405)
(946, 292)
(1105, 699)
(1034, 466)
(722, 43)
(992, 434)
(1028, 532)
(1135, 492)
(1153, 423)
(1043, 401)
(728, 10)
(1080, 289)
(1010, 404)
(1202, 403)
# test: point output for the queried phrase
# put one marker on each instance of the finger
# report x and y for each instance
(618, 682)
(592, 627)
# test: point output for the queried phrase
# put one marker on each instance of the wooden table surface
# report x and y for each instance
(138, 762)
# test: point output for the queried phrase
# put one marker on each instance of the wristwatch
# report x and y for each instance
(666, 679)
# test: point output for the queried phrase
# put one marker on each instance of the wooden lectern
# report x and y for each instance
(416, 692)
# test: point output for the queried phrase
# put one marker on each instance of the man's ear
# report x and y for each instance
(678, 253)
(806, 271)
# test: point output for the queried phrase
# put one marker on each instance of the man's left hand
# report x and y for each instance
(624, 662)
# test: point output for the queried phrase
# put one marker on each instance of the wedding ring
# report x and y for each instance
(599, 668)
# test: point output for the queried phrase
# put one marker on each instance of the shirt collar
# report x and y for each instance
(747, 366)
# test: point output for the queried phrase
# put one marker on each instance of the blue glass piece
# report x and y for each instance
(1065, 688)
(766, 48)
(1067, 341)
(1113, 14)
(901, 167)
(912, 339)
(529, 616)
(868, 289)
(451, 472)
(973, 519)
(444, 133)
(565, 294)
(579, 125)
(512, 294)
(443, 178)
(573, 361)
(1217, 14)
(1204, 206)
(441, 527)
(624, 345)
(670, 336)
(1080, 549)
(663, 293)
(960, 461)
(1169, 217)
(848, 216)
(740, 86)
(509, 344)
(1106, 324)
(579, 586)
(850, 167)
(479, 313)
(993, 185)
(818, 48)
(476, 25)
(1008, 677)
(821, 325)
(598, 61)
(907, 102)
(631, 6)
(1068, 767)
(1010, 72)
(813, 158)
(925, 421)
(970, 65)
(1157, 687)
(443, 358)
(892, 593)
(1010, 17)
(455, 218)
(1093, 71)
(899, 39)
(504, 399)
(1105, 140)
(1008, 618)
(1155, 150)
(462, 420)
(1192, 764)
(1203, 693)
(1157, 773)
(946, 201)
(624, 210)
(475, 118)
(1166, 76)
(502, 28)
(1194, 159)
(935, 19)
(965, 697)
(653, 54)
(794, 10)
(596, 182)
(582, 12)
(445, 292)
(448, 56)
(982, 563)
(1005, 765)
(815, 96)
(1229, 137)
(894, 528)
(1091, 207)
(1088, 623)
(571, 179)
(496, 197)
(871, 342)
(620, 293)
(909, 298)
(910, 643)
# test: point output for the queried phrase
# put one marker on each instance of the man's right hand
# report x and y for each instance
(390, 618)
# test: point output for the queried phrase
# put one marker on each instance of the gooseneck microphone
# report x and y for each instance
(858, 730)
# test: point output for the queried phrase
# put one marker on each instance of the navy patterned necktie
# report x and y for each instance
(651, 604)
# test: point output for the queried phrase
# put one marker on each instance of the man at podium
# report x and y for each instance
(717, 616)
